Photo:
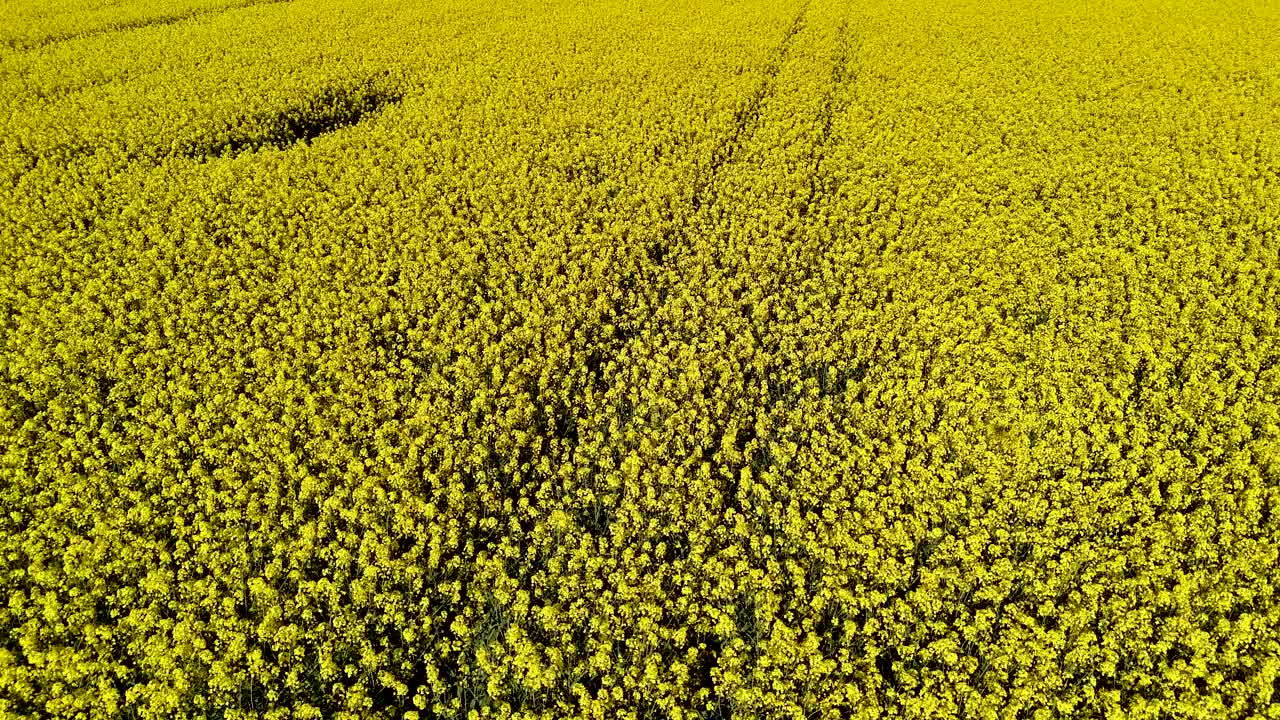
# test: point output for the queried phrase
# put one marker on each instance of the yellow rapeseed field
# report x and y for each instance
(640, 359)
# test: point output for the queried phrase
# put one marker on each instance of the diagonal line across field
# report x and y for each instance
(37, 41)
(747, 117)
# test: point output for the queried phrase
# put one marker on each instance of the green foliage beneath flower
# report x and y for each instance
(646, 360)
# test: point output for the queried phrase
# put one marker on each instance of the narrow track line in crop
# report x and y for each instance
(832, 106)
(138, 24)
(660, 252)
(747, 118)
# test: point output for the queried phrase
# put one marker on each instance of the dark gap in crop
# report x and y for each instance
(674, 546)
(657, 253)
(884, 665)
(596, 518)
(829, 634)
(649, 710)
(762, 459)
(720, 711)
(708, 650)
(26, 410)
(746, 624)
(328, 111)
(589, 170)
(920, 557)
(1139, 381)
(710, 451)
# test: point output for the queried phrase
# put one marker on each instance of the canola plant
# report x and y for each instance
(644, 359)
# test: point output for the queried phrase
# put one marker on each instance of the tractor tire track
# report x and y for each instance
(30, 44)
(746, 120)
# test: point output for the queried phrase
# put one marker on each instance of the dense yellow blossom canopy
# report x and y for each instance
(639, 359)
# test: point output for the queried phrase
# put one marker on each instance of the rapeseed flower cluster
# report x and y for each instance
(639, 360)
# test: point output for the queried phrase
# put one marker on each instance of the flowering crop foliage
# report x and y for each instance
(640, 359)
